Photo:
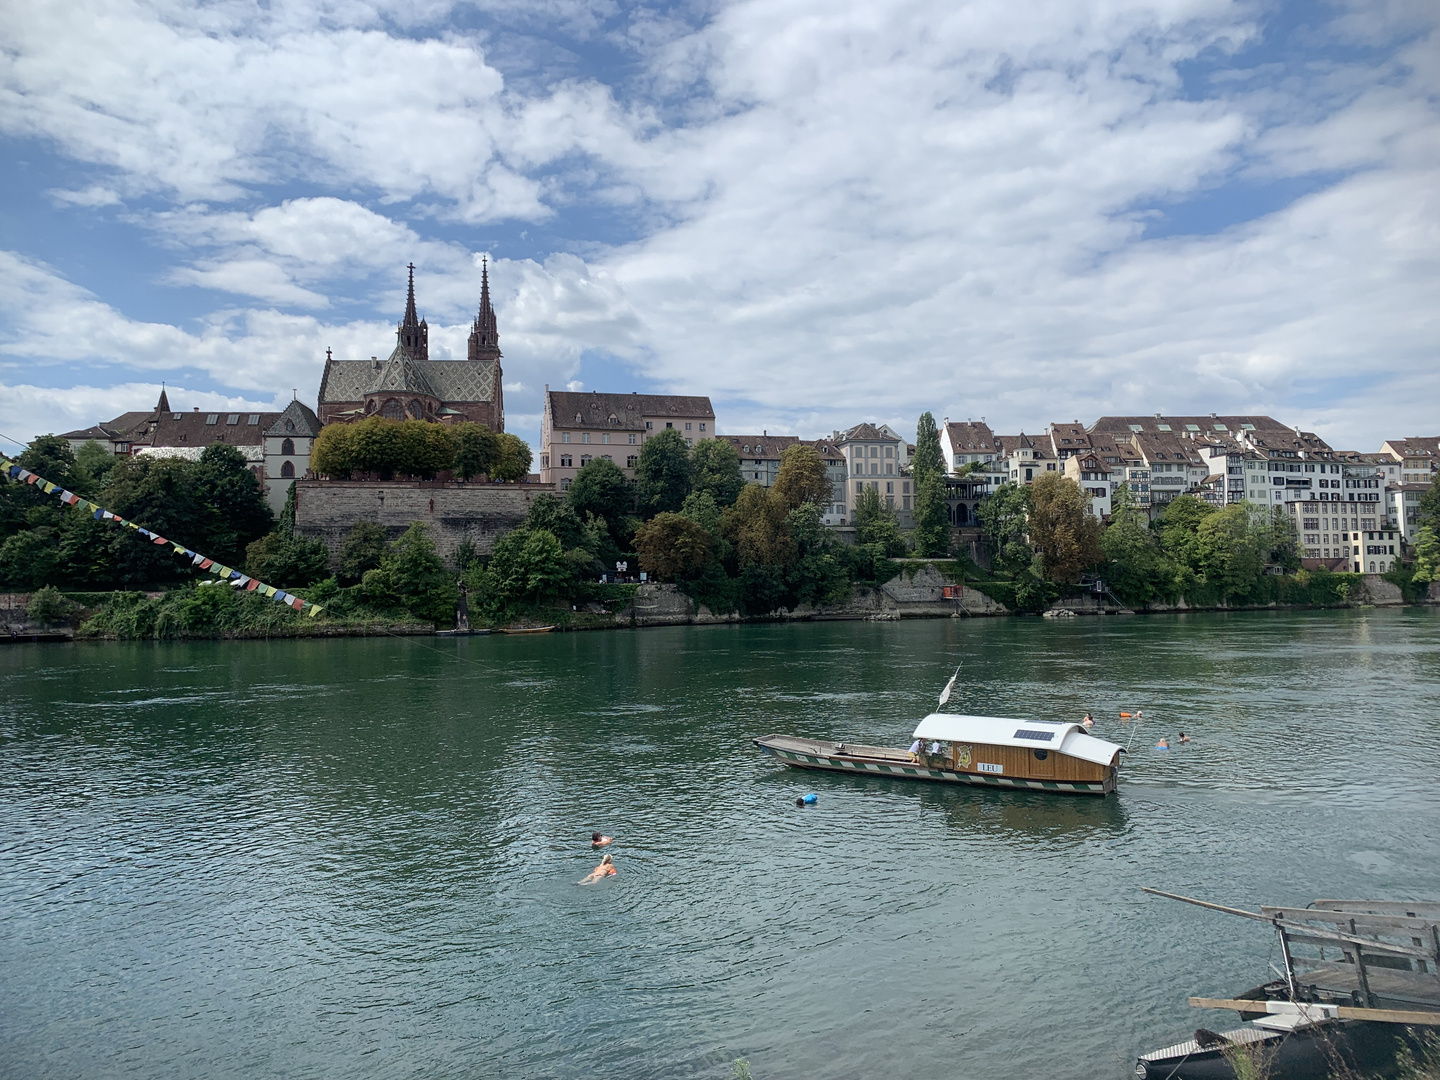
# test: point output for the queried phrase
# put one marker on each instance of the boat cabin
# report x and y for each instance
(1022, 749)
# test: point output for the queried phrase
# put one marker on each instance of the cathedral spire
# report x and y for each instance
(413, 336)
(411, 319)
(484, 334)
(163, 405)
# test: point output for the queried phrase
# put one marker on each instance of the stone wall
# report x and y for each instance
(328, 509)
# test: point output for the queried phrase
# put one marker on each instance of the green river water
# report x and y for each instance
(358, 858)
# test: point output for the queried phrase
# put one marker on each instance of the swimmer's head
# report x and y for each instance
(607, 860)
(595, 837)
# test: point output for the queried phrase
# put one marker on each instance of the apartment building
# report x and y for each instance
(1095, 478)
(874, 457)
(1419, 458)
(838, 470)
(760, 455)
(578, 427)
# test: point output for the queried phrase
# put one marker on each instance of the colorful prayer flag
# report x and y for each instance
(315, 609)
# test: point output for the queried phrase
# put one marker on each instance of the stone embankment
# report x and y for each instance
(921, 595)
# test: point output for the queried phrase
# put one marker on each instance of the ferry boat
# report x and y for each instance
(987, 751)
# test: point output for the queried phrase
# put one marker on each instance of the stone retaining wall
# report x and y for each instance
(327, 510)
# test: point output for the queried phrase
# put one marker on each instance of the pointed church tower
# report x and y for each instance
(413, 335)
(484, 345)
(484, 337)
(163, 405)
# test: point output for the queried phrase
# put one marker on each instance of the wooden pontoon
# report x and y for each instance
(1357, 974)
(987, 751)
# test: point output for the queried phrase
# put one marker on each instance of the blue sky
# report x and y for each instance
(816, 213)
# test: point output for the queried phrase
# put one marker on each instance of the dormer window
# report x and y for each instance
(211, 418)
(254, 419)
(233, 418)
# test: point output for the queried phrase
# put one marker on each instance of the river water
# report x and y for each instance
(359, 858)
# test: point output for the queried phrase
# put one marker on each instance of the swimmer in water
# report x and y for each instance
(1088, 722)
(1163, 744)
(1184, 737)
(604, 870)
(596, 840)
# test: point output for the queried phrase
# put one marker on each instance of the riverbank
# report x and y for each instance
(919, 590)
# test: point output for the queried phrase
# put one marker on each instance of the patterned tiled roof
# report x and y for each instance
(865, 433)
(445, 380)
(297, 419)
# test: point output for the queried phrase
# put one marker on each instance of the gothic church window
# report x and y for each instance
(287, 470)
(415, 410)
(288, 447)
(392, 410)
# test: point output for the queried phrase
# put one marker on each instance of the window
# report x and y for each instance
(585, 436)
(669, 424)
(211, 418)
(287, 470)
(584, 460)
(565, 483)
(233, 418)
(1133, 427)
(605, 438)
(859, 486)
(254, 419)
(391, 410)
(288, 447)
(632, 461)
(1163, 427)
(632, 438)
(566, 461)
(874, 468)
(607, 457)
(874, 451)
(687, 426)
(890, 487)
(905, 486)
(544, 461)
(702, 425)
(889, 451)
(649, 425)
(565, 436)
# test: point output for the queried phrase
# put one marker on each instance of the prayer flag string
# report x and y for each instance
(25, 476)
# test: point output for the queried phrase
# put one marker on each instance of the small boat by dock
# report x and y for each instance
(526, 629)
(1373, 977)
(985, 751)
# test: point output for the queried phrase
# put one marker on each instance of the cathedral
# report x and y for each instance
(409, 385)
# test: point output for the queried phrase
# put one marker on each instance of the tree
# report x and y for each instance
(93, 462)
(1427, 555)
(673, 546)
(162, 494)
(234, 509)
(932, 518)
(756, 526)
(48, 607)
(557, 517)
(1428, 511)
(1231, 545)
(928, 461)
(875, 524)
(802, 478)
(514, 460)
(663, 473)
(1063, 532)
(425, 449)
(289, 562)
(411, 575)
(529, 564)
(602, 488)
(362, 549)
(1137, 569)
(1179, 527)
(715, 467)
(477, 449)
(333, 454)
(1004, 515)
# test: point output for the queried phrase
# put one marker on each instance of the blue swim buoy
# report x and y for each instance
(811, 799)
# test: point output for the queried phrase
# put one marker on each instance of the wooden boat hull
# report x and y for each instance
(1303, 1054)
(526, 629)
(886, 762)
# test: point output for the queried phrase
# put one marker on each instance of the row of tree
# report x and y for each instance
(388, 449)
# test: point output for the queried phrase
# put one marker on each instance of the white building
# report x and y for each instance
(874, 457)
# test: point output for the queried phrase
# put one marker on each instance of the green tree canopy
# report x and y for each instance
(477, 449)
(1062, 530)
(602, 488)
(1231, 546)
(513, 463)
(755, 525)
(233, 502)
(928, 461)
(663, 473)
(1004, 515)
(412, 576)
(673, 546)
(287, 562)
(715, 465)
(529, 564)
(1136, 567)
(875, 524)
(1427, 555)
(362, 549)
(1179, 527)
(802, 478)
(1428, 511)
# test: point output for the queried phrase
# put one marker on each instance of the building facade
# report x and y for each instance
(408, 384)
(760, 455)
(578, 427)
(874, 458)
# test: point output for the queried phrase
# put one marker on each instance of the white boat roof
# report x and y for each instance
(1069, 739)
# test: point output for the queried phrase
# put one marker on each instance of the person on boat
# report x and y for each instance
(597, 840)
(1184, 737)
(604, 870)
(1163, 744)
(915, 750)
(934, 747)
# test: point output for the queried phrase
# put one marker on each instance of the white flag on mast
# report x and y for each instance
(945, 694)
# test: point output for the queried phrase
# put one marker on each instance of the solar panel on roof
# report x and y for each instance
(1038, 736)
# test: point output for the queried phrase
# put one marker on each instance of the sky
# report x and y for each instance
(817, 213)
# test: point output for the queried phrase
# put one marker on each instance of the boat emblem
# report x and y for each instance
(962, 756)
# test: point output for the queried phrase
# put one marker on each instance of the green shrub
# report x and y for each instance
(48, 607)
